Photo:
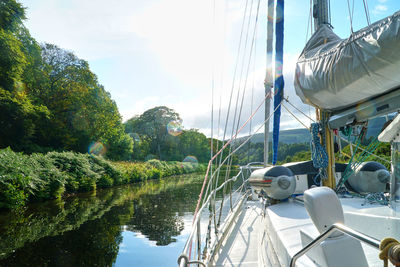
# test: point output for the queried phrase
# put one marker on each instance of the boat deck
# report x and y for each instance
(243, 246)
(252, 235)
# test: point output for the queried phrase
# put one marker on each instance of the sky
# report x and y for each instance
(182, 53)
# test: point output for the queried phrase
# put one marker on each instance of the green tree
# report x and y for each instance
(11, 14)
(19, 120)
(82, 111)
(12, 59)
(49, 98)
(192, 142)
(153, 123)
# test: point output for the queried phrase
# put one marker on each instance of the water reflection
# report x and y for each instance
(91, 229)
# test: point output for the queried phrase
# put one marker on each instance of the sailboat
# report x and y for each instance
(318, 212)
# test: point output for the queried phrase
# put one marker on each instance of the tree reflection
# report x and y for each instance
(86, 230)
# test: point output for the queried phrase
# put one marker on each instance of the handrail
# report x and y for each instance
(184, 260)
(187, 245)
(336, 227)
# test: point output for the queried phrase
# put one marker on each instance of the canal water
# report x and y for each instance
(143, 224)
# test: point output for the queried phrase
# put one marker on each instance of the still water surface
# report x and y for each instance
(136, 225)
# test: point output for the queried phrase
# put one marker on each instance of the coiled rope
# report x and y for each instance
(390, 250)
(318, 152)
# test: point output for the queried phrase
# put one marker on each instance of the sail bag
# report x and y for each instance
(333, 74)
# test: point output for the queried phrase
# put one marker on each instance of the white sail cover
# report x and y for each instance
(332, 73)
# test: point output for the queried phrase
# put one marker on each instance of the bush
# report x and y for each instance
(81, 177)
(11, 196)
(53, 180)
(105, 181)
(36, 177)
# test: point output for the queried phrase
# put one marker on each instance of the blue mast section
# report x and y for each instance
(279, 81)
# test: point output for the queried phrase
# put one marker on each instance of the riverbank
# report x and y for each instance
(38, 177)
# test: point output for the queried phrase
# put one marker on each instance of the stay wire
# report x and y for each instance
(350, 15)
(233, 82)
(212, 89)
(228, 170)
(365, 2)
(240, 83)
(309, 117)
(225, 145)
(252, 135)
(309, 22)
(252, 96)
(294, 116)
(249, 64)
(245, 83)
(242, 69)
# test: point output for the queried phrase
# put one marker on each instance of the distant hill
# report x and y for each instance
(293, 136)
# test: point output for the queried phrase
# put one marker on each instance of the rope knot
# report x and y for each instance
(390, 249)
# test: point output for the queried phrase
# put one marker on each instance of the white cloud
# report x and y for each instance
(379, 8)
(176, 44)
(202, 119)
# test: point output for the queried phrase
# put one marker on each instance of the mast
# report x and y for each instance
(268, 84)
(321, 14)
(279, 82)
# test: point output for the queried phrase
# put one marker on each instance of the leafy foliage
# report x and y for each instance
(151, 136)
(35, 177)
(383, 151)
(286, 152)
(19, 119)
(49, 98)
(153, 124)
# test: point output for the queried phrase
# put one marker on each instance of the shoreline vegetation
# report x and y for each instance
(38, 177)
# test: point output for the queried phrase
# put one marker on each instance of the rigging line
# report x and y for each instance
(251, 136)
(222, 79)
(350, 16)
(219, 167)
(370, 153)
(366, 11)
(234, 78)
(236, 66)
(291, 113)
(212, 88)
(249, 63)
(309, 117)
(212, 177)
(240, 81)
(227, 174)
(225, 145)
(242, 68)
(228, 170)
(252, 95)
(369, 18)
(309, 21)
(247, 72)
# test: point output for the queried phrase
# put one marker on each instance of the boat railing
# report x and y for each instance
(199, 251)
(335, 227)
